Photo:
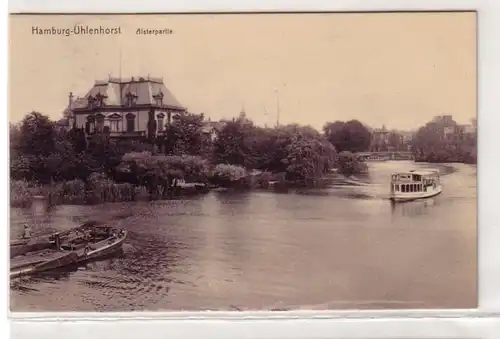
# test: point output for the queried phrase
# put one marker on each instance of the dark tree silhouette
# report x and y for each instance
(350, 136)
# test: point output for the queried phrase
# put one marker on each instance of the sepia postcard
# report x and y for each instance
(240, 162)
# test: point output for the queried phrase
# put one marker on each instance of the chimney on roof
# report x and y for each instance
(70, 100)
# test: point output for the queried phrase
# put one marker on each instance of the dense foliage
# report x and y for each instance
(108, 169)
(445, 141)
(350, 136)
(300, 151)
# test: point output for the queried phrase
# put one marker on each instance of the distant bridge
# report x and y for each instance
(392, 155)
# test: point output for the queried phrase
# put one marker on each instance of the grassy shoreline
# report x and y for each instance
(22, 192)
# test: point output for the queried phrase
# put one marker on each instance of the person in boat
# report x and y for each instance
(26, 232)
(57, 240)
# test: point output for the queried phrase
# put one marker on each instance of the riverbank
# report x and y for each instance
(75, 192)
(439, 157)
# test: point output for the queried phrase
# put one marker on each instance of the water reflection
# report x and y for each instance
(414, 208)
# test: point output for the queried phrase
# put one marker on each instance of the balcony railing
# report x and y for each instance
(120, 134)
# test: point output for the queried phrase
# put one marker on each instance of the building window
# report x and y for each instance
(99, 122)
(90, 124)
(130, 122)
(91, 102)
(158, 99)
(131, 99)
(99, 100)
(114, 125)
(160, 122)
(115, 122)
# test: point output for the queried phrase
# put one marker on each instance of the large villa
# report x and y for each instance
(124, 108)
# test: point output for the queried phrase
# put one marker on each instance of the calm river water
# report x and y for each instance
(336, 248)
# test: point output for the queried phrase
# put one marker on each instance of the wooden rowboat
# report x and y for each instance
(95, 241)
(81, 244)
(40, 261)
(37, 243)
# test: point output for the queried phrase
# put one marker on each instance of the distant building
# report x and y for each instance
(443, 119)
(380, 139)
(467, 131)
(449, 131)
(213, 128)
(124, 108)
(407, 136)
(473, 122)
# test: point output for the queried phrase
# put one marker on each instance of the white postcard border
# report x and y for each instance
(330, 324)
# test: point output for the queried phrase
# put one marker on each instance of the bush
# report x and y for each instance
(21, 192)
(70, 192)
(103, 189)
(227, 175)
(350, 164)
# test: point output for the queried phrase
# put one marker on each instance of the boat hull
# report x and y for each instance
(21, 249)
(102, 249)
(37, 265)
(50, 259)
(404, 197)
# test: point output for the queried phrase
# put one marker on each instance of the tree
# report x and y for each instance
(185, 135)
(349, 136)
(442, 140)
(14, 140)
(350, 164)
(395, 140)
(232, 145)
(31, 144)
(308, 157)
(37, 135)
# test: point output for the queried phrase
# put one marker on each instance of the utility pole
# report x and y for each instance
(277, 108)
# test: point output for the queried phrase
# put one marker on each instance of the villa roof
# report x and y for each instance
(115, 91)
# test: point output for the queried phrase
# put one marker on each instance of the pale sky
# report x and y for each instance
(397, 69)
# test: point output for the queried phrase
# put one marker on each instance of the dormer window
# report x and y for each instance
(99, 100)
(131, 99)
(91, 101)
(158, 99)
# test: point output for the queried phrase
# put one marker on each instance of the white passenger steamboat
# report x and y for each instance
(416, 184)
